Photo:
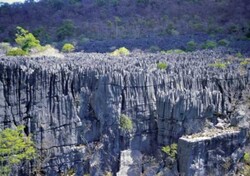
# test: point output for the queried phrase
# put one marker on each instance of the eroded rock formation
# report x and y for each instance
(72, 106)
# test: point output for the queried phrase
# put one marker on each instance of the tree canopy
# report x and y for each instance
(15, 148)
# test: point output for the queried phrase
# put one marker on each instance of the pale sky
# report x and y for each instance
(11, 1)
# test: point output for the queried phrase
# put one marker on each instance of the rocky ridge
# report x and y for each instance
(72, 105)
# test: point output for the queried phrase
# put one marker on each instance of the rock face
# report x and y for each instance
(72, 106)
(214, 153)
(130, 163)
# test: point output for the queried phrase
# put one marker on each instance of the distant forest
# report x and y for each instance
(78, 21)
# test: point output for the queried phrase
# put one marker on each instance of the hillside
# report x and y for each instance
(81, 21)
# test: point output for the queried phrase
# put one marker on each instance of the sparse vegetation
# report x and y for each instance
(191, 45)
(239, 55)
(246, 167)
(126, 123)
(68, 47)
(15, 148)
(219, 65)
(16, 52)
(223, 42)
(209, 44)
(162, 66)
(246, 158)
(245, 62)
(170, 150)
(121, 51)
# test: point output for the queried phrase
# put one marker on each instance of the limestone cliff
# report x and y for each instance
(72, 105)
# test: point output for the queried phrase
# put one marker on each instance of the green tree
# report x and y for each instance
(26, 40)
(65, 30)
(15, 148)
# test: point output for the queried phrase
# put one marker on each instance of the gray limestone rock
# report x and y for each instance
(130, 163)
(72, 105)
(214, 152)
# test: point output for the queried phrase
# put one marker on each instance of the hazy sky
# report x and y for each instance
(11, 1)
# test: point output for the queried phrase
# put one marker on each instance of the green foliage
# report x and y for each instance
(126, 123)
(173, 51)
(209, 44)
(162, 66)
(170, 150)
(65, 30)
(121, 51)
(223, 42)
(42, 35)
(246, 158)
(26, 40)
(15, 148)
(219, 65)
(245, 62)
(67, 47)
(16, 52)
(239, 55)
(246, 168)
(191, 45)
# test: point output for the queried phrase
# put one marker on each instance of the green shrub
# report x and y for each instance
(126, 123)
(245, 62)
(121, 51)
(26, 40)
(170, 150)
(16, 52)
(246, 158)
(223, 42)
(219, 65)
(162, 66)
(239, 55)
(209, 44)
(191, 45)
(15, 148)
(67, 47)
